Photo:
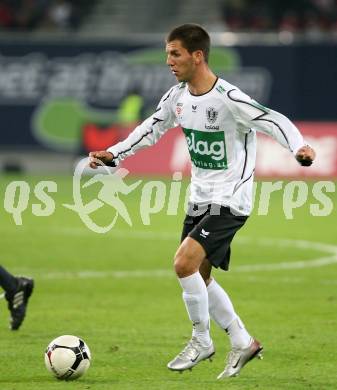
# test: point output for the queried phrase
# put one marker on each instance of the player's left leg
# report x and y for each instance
(243, 346)
(222, 312)
(18, 290)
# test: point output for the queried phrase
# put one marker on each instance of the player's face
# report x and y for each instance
(180, 61)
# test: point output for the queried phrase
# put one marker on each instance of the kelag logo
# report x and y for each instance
(207, 149)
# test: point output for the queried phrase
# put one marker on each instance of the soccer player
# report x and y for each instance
(17, 289)
(220, 123)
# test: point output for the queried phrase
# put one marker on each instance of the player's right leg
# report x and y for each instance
(187, 262)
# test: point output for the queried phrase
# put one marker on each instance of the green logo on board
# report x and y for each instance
(207, 149)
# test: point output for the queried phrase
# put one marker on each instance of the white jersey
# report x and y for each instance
(220, 129)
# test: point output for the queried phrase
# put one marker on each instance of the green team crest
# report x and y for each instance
(207, 149)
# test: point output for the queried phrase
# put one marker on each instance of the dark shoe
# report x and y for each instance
(17, 302)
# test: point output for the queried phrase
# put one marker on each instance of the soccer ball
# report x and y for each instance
(67, 357)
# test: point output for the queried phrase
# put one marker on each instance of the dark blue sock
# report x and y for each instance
(7, 281)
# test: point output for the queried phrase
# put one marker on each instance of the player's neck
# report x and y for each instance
(202, 82)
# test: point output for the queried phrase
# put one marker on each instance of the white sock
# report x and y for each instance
(196, 300)
(222, 312)
(220, 306)
(238, 334)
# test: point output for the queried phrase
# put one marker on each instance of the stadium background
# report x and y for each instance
(77, 76)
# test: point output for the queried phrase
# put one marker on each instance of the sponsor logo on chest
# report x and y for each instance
(207, 149)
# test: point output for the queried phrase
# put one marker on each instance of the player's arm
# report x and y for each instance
(144, 135)
(251, 115)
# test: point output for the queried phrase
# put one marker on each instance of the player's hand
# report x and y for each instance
(95, 157)
(305, 156)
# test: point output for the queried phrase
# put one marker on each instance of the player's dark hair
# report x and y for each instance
(192, 37)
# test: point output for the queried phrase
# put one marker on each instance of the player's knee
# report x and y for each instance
(183, 265)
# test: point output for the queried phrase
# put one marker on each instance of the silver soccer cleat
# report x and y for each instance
(238, 358)
(191, 355)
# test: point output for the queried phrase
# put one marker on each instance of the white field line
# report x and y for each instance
(300, 244)
(164, 273)
(330, 250)
(124, 234)
(157, 235)
(320, 262)
(152, 273)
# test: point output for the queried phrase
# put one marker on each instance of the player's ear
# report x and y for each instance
(198, 56)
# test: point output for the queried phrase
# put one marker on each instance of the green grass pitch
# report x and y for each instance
(118, 292)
